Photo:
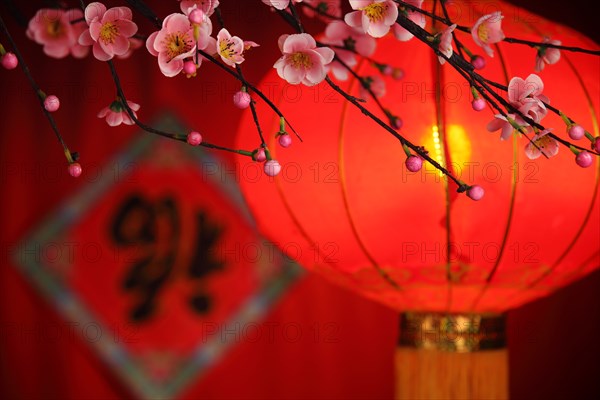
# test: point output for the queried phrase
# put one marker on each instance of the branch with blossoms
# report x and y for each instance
(184, 40)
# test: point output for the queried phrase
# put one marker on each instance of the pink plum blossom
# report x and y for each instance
(488, 30)
(206, 6)
(418, 18)
(445, 45)
(526, 95)
(175, 42)
(116, 114)
(231, 48)
(52, 28)
(338, 33)
(375, 17)
(547, 55)
(353, 38)
(280, 4)
(302, 61)
(542, 143)
(109, 30)
(330, 7)
(502, 124)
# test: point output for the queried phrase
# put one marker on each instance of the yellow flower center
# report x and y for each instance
(483, 33)
(543, 141)
(109, 32)
(301, 60)
(178, 43)
(55, 28)
(376, 11)
(225, 49)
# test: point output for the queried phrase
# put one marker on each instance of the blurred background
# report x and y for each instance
(77, 320)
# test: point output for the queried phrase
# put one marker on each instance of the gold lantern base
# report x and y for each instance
(451, 356)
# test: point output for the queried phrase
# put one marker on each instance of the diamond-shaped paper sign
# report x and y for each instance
(154, 257)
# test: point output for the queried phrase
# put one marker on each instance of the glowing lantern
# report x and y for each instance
(346, 207)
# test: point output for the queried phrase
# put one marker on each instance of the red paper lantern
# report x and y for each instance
(345, 206)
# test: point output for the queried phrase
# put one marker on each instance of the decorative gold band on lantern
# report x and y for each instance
(452, 332)
(451, 356)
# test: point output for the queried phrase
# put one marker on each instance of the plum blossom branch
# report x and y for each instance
(445, 20)
(552, 45)
(146, 11)
(454, 60)
(38, 92)
(249, 86)
(150, 129)
(462, 187)
(549, 107)
(403, 141)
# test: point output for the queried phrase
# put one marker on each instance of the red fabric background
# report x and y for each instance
(553, 342)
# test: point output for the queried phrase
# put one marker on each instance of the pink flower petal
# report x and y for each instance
(360, 4)
(100, 53)
(80, 51)
(114, 118)
(95, 28)
(179, 23)
(507, 131)
(127, 28)
(86, 39)
(354, 19)
(104, 112)
(150, 44)
(298, 42)
(365, 46)
(293, 75)
(326, 54)
(168, 67)
(94, 11)
(532, 152)
(402, 34)
(377, 30)
(315, 75)
(121, 45)
(535, 85)
(281, 41)
(133, 106)
(56, 51)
